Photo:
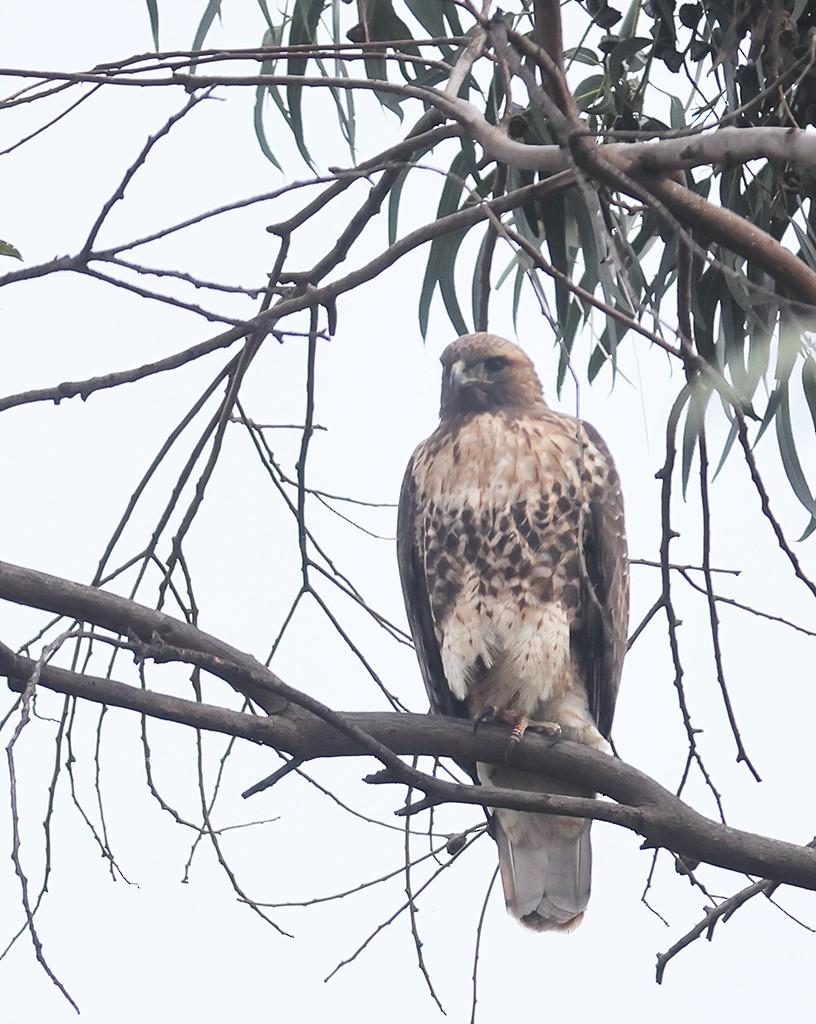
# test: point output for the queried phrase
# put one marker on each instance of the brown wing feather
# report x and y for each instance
(600, 637)
(411, 559)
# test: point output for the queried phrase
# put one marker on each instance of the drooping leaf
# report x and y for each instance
(518, 283)
(628, 26)
(153, 14)
(302, 30)
(7, 249)
(589, 93)
(569, 332)
(705, 299)
(212, 10)
(260, 130)
(442, 255)
(677, 114)
(272, 37)
(452, 17)
(394, 197)
(729, 444)
(267, 16)
(383, 24)
(622, 52)
(695, 418)
(809, 385)
(553, 216)
(809, 529)
(395, 194)
(429, 14)
(582, 55)
(340, 96)
(447, 281)
(790, 456)
(439, 273)
(480, 271)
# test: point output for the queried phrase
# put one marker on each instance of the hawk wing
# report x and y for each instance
(411, 552)
(600, 636)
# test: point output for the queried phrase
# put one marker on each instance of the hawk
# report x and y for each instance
(513, 564)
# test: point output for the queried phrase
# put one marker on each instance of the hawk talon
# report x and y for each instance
(550, 728)
(485, 715)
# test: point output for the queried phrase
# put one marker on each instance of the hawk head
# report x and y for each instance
(485, 373)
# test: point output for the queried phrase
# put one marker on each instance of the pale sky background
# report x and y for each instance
(159, 950)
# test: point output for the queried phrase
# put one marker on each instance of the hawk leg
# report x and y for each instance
(522, 724)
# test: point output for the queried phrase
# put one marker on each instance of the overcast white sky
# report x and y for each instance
(153, 948)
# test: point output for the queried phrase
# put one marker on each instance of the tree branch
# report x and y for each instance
(298, 726)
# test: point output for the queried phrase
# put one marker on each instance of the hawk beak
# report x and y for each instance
(459, 376)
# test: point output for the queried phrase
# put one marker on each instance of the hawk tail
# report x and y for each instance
(545, 864)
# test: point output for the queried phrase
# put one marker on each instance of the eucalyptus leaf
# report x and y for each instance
(692, 428)
(211, 12)
(153, 14)
(809, 385)
(7, 249)
(790, 456)
(302, 29)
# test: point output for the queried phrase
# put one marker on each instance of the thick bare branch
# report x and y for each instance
(298, 726)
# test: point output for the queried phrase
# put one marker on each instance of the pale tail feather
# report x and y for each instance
(545, 868)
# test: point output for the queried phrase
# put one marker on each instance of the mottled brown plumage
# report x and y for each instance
(513, 564)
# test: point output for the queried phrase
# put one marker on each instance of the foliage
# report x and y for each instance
(655, 71)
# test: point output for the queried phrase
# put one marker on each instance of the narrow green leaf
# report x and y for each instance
(153, 14)
(435, 268)
(7, 249)
(809, 385)
(440, 271)
(212, 11)
(447, 281)
(790, 456)
(393, 205)
(677, 114)
(396, 194)
(552, 214)
(346, 127)
(630, 20)
(429, 14)
(569, 332)
(597, 359)
(260, 131)
(476, 294)
(729, 444)
(518, 284)
(582, 55)
(302, 29)
(705, 299)
(695, 417)
(267, 16)
(809, 529)
(272, 37)
(452, 18)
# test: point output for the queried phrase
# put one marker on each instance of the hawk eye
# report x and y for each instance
(495, 364)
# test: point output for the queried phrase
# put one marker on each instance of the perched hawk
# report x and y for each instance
(513, 564)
